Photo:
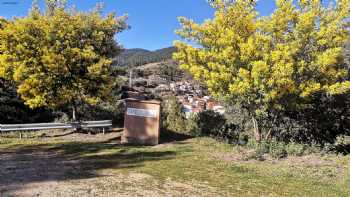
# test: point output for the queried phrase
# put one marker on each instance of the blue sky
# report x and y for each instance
(152, 22)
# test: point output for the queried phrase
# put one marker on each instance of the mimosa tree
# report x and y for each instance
(267, 64)
(60, 57)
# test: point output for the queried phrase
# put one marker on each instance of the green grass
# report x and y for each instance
(197, 162)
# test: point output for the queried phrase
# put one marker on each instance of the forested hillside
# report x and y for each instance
(139, 57)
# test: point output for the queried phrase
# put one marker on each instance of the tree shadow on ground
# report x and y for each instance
(69, 161)
(98, 131)
(167, 136)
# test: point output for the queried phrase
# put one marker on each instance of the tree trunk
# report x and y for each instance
(257, 132)
(270, 132)
(74, 115)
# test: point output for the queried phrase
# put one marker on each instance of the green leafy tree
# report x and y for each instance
(60, 56)
(268, 64)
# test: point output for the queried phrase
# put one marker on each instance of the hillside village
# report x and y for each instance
(148, 78)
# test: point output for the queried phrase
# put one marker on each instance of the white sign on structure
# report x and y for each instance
(141, 112)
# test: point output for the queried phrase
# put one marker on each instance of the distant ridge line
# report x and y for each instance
(138, 57)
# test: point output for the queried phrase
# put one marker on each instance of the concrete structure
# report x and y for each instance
(142, 122)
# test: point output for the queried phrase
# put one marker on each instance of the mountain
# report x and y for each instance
(139, 57)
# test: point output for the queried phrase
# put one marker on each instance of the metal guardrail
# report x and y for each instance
(44, 126)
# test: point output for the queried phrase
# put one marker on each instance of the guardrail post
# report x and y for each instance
(76, 126)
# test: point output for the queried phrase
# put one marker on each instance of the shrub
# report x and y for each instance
(192, 125)
(277, 150)
(206, 123)
(243, 139)
(104, 111)
(228, 132)
(321, 121)
(61, 117)
(210, 123)
(312, 148)
(258, 154)
(295, 149)
(14, 111)
(342, 145)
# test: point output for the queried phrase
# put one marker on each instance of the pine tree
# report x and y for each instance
(175, 119)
